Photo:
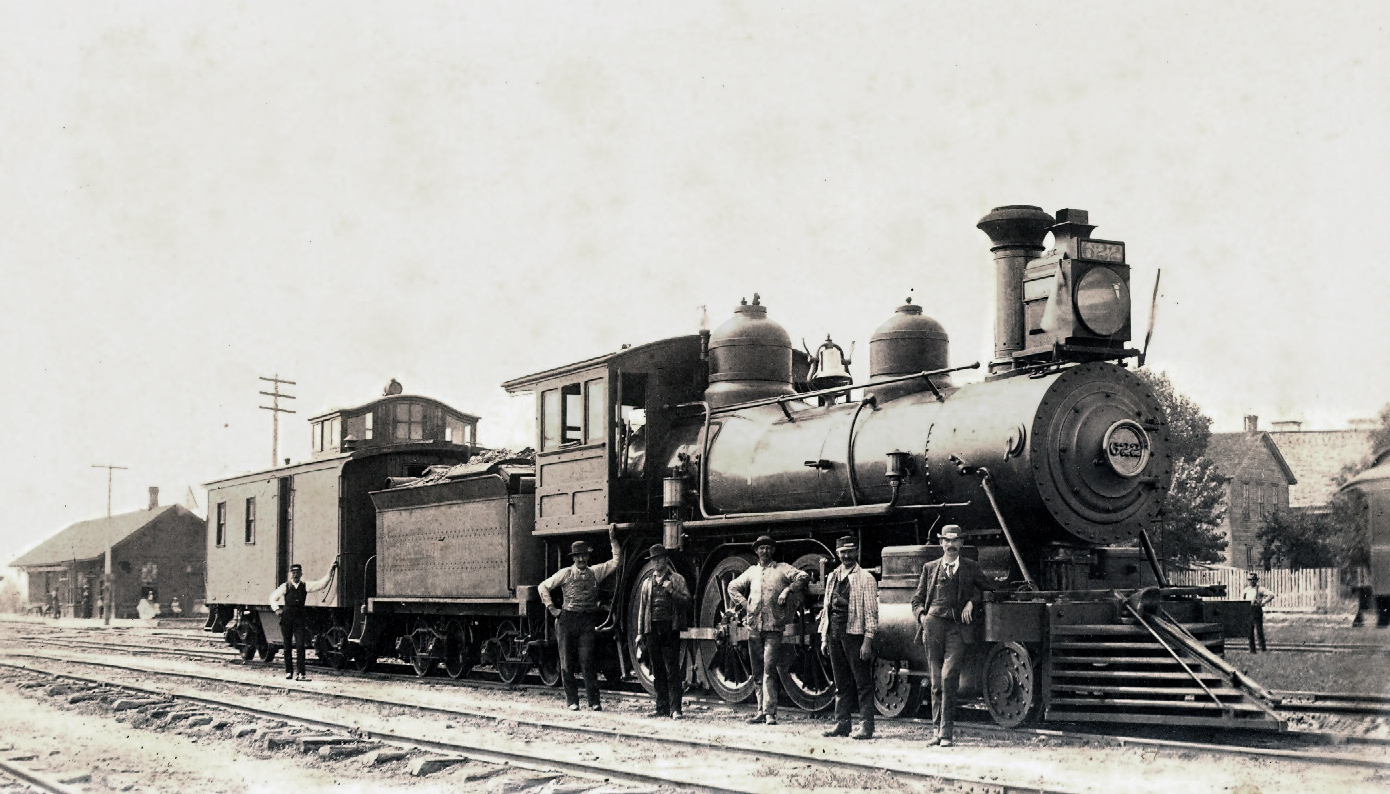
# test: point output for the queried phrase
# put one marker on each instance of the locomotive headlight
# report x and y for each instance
(1102, 301)
(1126, 448)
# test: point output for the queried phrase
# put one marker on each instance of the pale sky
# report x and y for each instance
(454, 194)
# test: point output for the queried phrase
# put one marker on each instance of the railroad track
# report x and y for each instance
(32, 779)
(1021, 737)
(712, 763)
(1294, 702)
(1328, 647)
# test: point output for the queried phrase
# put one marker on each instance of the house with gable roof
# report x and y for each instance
(1258, 481)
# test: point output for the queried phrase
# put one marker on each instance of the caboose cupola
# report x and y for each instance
(750, 358)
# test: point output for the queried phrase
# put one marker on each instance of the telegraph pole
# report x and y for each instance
(275, 411)
(110, 606)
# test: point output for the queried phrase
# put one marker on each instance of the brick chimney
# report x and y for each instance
(154, 497)
(1252, 423)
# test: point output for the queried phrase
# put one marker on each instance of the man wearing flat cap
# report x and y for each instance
(288, 600)
(761, 592)
(948, 605)
(580, 615)
(662, 603)
(848, 622)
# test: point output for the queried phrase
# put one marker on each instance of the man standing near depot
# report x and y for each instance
(288, 601)
(580, 615)
(950, 594)
(662, 602)
(762, 591)
(848, 621)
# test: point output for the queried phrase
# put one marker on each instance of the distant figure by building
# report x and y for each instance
(288, 601)
(175, 608)
(1257, 596)
(848, 622)
(662, 603)
(54, 608)
(762, 592)
(147, 609)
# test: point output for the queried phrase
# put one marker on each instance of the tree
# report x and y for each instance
(1190, 522)
(1298, 539)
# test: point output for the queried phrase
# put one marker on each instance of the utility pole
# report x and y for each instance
(110, 605)
(275, 411)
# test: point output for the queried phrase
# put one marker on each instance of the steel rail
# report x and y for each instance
(959, 782)
(36, 779)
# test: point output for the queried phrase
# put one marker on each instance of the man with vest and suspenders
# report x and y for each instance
(949, 605)
(288, 601)
(580, 615)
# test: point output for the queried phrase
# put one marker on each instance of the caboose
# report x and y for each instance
(318, 512)
(1056, 464)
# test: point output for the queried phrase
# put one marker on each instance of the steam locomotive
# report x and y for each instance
(1055, 464)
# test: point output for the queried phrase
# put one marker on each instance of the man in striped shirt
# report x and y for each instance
(848, 621)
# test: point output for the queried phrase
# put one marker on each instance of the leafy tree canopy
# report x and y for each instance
(1189, 429)
(1297, 539)
(1190, 523)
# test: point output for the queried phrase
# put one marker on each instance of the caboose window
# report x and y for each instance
(410, 422)
(574, 414)
(550, 419)
(596, 398)
(333, 435)
(456, 432)
(369, 416)
(251, 519)
(221, 523)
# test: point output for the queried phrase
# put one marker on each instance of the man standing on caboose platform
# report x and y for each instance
(289, 601)
(762, 590)
(950, 594)
(579, 616)
(848, 622)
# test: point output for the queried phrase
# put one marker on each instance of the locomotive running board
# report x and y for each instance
(1154, 671)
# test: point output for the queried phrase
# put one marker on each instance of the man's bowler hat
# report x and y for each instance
(950, 532)
(764, 540)
(657, 550)
(580, 547)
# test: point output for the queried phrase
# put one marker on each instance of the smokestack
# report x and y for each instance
(154, 497)
(1252, 423)
(1017, 232)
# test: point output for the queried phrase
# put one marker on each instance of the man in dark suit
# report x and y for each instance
(948, 602)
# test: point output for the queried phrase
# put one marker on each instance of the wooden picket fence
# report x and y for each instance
(1308, 590)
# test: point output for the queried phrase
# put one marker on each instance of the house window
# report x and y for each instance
(368, 435)
(1261, 493)
(221, 524)
(1245, 500)
(410, 422)
(251, 519)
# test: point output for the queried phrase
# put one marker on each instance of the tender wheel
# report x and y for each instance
(423, 651)
(806, 675)
(1010, 684)
(727, 665)
(332, 647)
(458, 649)
(637, 641)
(896, 693)
(244, 639)
(512, 664)
(364, 661)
